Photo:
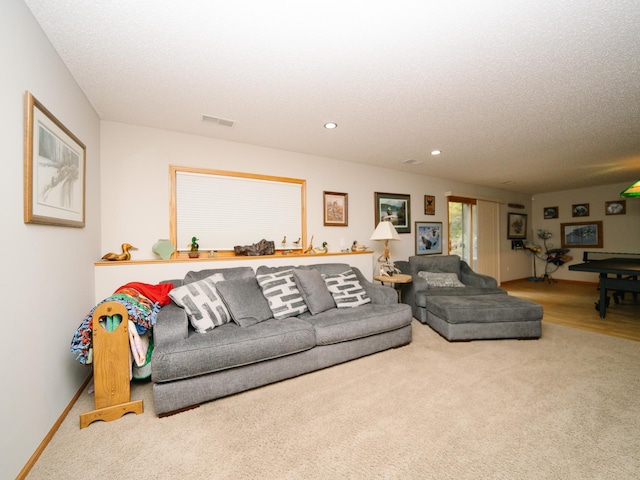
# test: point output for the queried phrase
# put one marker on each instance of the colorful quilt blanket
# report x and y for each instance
(141, 309)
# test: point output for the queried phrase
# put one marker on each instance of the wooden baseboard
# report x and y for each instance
(34, 458)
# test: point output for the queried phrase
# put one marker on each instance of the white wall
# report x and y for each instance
(135, 193)
(621, 233)
(47, 272)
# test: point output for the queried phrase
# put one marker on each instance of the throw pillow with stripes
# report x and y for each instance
(346, 289)
(281, 291)
(203, 303)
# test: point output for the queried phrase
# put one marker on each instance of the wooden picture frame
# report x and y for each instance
(550, 212)
(616, 207)
(54, 169)
(429, 205)
(394, 207)
(428, 238)
(516, 226)
(581, 234)
(336, 209)
(580, 210)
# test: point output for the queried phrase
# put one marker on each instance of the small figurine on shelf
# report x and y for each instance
(117, 257)
(193, 253)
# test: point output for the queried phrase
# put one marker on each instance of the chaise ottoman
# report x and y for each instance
(482, 317)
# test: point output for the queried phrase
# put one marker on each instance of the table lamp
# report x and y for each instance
(632, 190)
(385, 231)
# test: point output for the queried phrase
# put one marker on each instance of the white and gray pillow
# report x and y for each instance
(282, 293)
(346, 289)
(437, 279)
(203, 303)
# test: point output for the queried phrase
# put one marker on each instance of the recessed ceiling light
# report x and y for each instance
(412, 161)
(330, 125)
(435, 152)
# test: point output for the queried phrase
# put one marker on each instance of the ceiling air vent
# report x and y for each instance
(219, 121)
(411, 161)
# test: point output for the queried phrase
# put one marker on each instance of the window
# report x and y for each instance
(225, 209)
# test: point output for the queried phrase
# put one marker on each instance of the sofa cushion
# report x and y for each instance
(281, 291)
(341, 325)
(232, 273)
(437, 263)
(243, 297)
(346, 289)
(423, 297)
(203, 303)
(441, 279)
(313, 289)
(230, 346)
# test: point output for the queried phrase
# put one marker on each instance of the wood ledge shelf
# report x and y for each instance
(223, 258)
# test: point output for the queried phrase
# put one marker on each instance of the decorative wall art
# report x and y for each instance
(581, 234)
(335, 209)
(580, 210)
(517, 226)
(429, 205)
(428, 238)
(54, 169)
(550, 212)
(396, 208)
(617, 207)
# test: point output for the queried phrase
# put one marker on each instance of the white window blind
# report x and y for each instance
(224, 211)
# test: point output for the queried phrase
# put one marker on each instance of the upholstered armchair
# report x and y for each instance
(442, 275)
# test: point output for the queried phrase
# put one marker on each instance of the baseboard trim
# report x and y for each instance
(36, 455)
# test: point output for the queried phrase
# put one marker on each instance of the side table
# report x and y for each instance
(396, 281)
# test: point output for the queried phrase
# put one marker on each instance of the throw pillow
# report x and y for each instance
(346, 289)
(281, 292)
(313, 289)
(202, 303)
(441, 279)
(245, 301)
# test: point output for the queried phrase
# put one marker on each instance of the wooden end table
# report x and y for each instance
(396, 281)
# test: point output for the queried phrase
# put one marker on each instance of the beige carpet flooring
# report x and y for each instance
(566, 406)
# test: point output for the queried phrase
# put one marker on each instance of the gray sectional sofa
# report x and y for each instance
(246, 329)
(462, 305)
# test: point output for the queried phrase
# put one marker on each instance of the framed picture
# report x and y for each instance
(429, 205)
(550, 212)
(396, 208)
(580, 210)
(617, 207)
(517, 226)
(428, 238)
(54, 169)
(581, 234)
(336, 212)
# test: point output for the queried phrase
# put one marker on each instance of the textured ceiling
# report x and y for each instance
(529, 96)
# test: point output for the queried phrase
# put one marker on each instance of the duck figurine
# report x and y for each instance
(320, 251)
(356, 247)
(310, 247)
(117, 257)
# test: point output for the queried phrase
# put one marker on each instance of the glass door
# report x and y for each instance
(463, 228)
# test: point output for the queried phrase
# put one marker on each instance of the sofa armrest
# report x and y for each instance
(172, 324)
(473, 279)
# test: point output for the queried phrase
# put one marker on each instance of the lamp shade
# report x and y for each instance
(385, 231)
(632, 190)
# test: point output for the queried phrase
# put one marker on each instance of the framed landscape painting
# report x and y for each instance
(581, 234)
(395, 208)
